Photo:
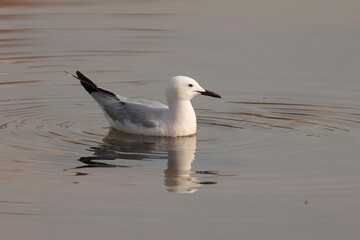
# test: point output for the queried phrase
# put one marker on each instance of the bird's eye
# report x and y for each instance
(190, 85)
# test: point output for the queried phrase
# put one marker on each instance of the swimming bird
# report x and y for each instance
(139, 116)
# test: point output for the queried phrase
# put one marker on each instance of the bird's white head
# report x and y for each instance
(185, 88)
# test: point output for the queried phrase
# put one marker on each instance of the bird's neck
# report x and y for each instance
(182, 110)
(182, 115)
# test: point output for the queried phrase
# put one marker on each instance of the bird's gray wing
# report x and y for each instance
(135, 113)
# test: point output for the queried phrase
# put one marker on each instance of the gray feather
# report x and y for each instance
(133, 112)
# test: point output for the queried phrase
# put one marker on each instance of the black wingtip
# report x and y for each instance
(86, 83)
(89, 86)
(82, 77)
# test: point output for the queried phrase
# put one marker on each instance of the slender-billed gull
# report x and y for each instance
(146, 117)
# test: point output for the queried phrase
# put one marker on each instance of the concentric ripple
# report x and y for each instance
(38, 125)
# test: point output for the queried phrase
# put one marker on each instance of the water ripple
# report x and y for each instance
(290, 115)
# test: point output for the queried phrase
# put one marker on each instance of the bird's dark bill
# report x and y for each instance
(210, 93)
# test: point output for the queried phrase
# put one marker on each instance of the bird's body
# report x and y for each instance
(146, 117)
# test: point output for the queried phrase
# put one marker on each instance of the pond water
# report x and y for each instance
(277, 157)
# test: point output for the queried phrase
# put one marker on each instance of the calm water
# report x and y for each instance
(276, 158)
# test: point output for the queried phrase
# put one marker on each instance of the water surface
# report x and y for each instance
(277, 157)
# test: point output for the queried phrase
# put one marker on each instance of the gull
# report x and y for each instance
(139, 116)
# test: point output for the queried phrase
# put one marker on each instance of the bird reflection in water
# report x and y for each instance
(181, 154)
(179, 151)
